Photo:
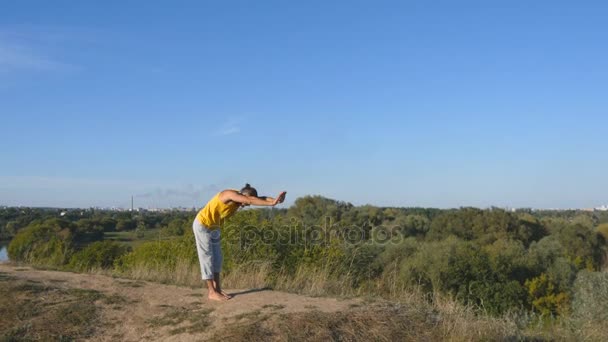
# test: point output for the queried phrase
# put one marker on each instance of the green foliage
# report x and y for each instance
(159, 255)
(492, 259)
(465, 271)
(312, 210)
(246, 239)
(485, 226)
(602, 229)
(546, 297)
(359, 262)
(100, 254)
(140, 230)
(563, 273)
(542, 254)
(582, 245)
(590, 301)
(177, 226)
(412, 225)
(584, 219)
(125, 224)
(394, 254)
(14, 219)
(285, 243)
(43, 243)
(509, 258)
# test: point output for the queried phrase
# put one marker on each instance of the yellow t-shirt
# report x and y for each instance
(214, 213)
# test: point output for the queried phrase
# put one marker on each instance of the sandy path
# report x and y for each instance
(145, 301)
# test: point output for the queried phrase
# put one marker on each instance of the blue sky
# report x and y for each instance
(404, 103)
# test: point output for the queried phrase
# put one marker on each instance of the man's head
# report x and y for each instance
(248, 191)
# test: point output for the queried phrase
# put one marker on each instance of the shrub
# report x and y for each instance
(177, 227)
(546, 297)
(542, 254)
(582, 245)
(590, 306)
(590, 301)
(509, 258)
(359, 262)
(486, 226)
(245, 240)
(397, 252)
(166, 261)
(602, 229)
(100, 254)
(463, 270)
(47, 243)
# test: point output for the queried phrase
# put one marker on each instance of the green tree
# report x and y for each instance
(46, 242)
(546, 297)
(140, 231)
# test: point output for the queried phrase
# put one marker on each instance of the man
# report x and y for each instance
(207, 226)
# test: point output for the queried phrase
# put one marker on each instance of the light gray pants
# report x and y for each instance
(208, 248)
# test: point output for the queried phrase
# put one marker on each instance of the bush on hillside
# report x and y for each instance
(160, 256)
(47, 243)
(100, 254)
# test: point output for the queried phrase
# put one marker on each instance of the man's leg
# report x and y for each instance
(213, 293)
(202, 237)
(218, 259)
(218, 286)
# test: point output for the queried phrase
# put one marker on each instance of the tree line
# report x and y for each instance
(497, 260)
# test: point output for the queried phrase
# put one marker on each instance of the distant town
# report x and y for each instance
(119, 209)
(193, 209)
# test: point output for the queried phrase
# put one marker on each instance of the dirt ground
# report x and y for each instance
(150, 311)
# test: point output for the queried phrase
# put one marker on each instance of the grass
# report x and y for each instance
(375, 323)
(130, 237)
(183, 319)
(248, 315)
(133, 284)
(32, 310)
(453, 321)
(182, 273)
(58, 281)
(273, 307)
(85, 294)
(408, 316)
(5, 277)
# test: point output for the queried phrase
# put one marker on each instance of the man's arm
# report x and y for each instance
(267, 199)
(252, 200)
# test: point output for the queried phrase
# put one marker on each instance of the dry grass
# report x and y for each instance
(412, 316)
(183, 320)
(378, 322)
(248, 276)
(184, 273)
(34, 311)
(314, 282)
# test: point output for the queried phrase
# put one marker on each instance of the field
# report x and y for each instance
(64, 306)
(131, 238)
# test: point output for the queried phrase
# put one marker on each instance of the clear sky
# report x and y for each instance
(404, 103)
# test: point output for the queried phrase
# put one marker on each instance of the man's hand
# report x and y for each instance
(280, 198)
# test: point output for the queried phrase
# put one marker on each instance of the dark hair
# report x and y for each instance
(248, 190)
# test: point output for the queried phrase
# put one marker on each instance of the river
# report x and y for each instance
(3, 252)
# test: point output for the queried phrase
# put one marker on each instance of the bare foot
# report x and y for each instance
(228, 296)
(216, 296)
